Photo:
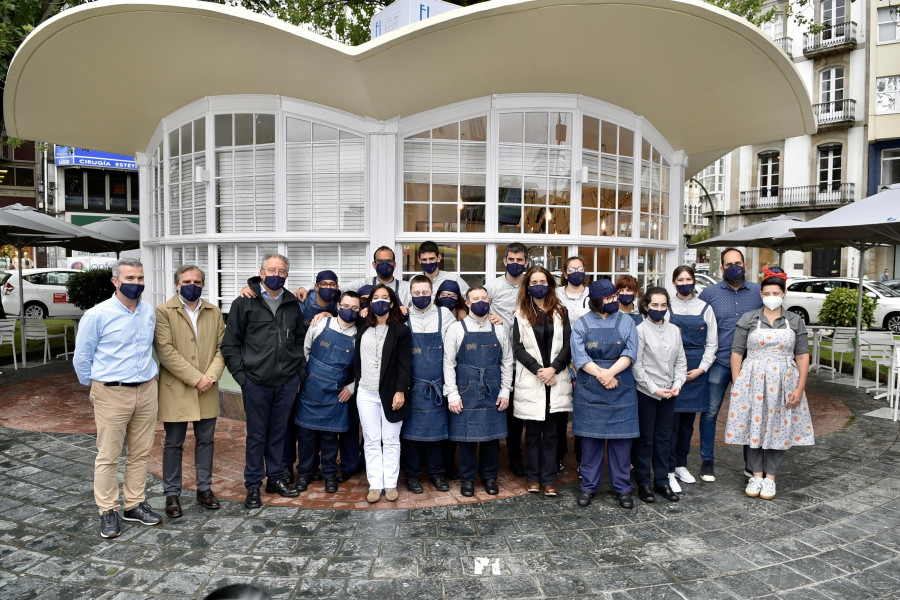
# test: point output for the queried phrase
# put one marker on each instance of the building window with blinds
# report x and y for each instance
(654, 194)
(349, 261)
(245, 173)
(325, 178)
(157, 196)
(194, 254)
(444, 178)
(187, 198)
(606, 197)
(237, 263)
(535, 172)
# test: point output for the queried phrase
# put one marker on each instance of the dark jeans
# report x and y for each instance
(592, 464)
(682, 432)
(562, 433)
(448, 449)
(204, 440)
(411, 453)
(655, 441)
(268, 410)
(514, 429)
(310, 443)
(541, 449)
(719, 380)
(486, 463)
(349, 440)
(291, 441)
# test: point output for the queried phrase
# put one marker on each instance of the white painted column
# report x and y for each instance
(385, 205)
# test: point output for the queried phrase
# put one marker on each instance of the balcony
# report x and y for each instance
(786, 44)
(832, 38)
(823, 195)
(833, 115)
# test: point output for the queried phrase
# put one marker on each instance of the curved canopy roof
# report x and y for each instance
(104, 74)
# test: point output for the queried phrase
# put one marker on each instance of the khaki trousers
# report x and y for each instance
(123, 414)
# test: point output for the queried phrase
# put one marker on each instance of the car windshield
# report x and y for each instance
(883, 289)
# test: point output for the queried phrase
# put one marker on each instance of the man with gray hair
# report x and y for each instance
(114, 356)
(263, 349)
(189, 331)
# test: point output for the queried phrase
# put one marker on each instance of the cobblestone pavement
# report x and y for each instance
(832, 532)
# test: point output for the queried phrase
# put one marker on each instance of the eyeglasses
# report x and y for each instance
(347, 307)
(420, 294)
(571, 270)
(450, 295)
(384, 261)
(328, 284)
(279, 272)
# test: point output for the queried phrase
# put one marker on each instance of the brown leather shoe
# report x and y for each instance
(207, 499)
(173, 507)
(550, 490)
(533, 487)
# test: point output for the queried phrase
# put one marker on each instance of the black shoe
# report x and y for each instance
(666, 492)
(173, 507)
(252, 499)
(584, 498)
(626, 500)
(317, 475)
(414, 485)
(345, 476)
(303, 484)
(491, 487)
(289, 475)
(282, 488)
(646, 494)
(439, 483)
(109, 524)
(331, 485)
(142, 513)
(516, 466)
(207, 499)
(467, 488)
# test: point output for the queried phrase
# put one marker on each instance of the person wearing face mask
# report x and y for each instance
(114, 356)
(700, 338)
(263, 350)
(729, 300)
(425, 430)
(323, 410)
(478, 366)
(449, 296)
(430, 258)
(188, 336)
(629, 298)
(604, 346)
(364, 293)
(659, 372)
(384, 264)
(542, 384)
(768, 412)
(382, 366)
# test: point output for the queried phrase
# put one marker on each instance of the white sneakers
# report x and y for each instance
(754, 487)
(673, 483)
(768, 489)
(684, 475)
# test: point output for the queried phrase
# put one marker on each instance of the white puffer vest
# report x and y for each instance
(530, 397)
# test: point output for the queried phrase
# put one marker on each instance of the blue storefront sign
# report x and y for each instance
(64, 156)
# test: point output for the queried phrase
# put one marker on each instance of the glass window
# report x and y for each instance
(74, 184)
(890, 167)
(606, 196)
(466, 260)
(651, 268)
(829, 171)
(157, 200)
(118, 191)
(187, 198)
(887, 92)
(769, 177)
(654, 220)
(96, 189)
(244, 176)
(16, 174)
(888, 29)
(549, 257)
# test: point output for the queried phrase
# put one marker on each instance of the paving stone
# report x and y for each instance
(744, 585)
(321, 588)
(781, 578)
(179, 583)
(642, 575)
(562, 584)
(283, 566)
(416, 589)
(515, 587)
(136, 579)
(370, 589)
(341, 566)
(394, 567)
(468, 588)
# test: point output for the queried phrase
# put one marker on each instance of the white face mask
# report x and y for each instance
(773, 302)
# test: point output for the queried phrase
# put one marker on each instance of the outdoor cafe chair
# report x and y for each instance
(36, 329)
(8, 335)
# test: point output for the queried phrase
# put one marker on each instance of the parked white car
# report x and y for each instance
(806, 296)
(45, 293)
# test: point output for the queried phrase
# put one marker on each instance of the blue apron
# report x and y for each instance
(310, 308)
(327, 370)
(598, 412)
(427, 420)
(694, 395)
(478, 381)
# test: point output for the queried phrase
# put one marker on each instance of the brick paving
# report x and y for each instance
(832, 531)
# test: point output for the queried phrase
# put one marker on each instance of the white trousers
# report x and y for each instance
(381, 442)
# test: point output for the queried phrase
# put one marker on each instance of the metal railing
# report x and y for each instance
(822, 194)
(835, 112)
(786, 44)
(831, 36)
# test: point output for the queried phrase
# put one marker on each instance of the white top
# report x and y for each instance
(576, 305)
(660, 363)
(504, 297)
(370, 351)
(695, 306)
(194, 314)
(443, 276)
(426, 321)
(453, 338)
(316, 330)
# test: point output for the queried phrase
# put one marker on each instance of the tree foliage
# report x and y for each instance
(89, 288)
(839, 309)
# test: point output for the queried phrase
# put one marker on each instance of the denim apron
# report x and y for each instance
(327, 369)
(310, 308)
(636, 316)
(478, 381)
(427, 420)
(694, 395)
(598, 412)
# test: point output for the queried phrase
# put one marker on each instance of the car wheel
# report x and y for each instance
(799, 311)
(892, 322)
(35, 310)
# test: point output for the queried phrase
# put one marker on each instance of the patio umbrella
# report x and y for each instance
(122, 229)
(765, 234)
(869, 222)
(79, 238)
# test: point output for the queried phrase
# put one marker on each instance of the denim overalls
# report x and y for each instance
(427, 421)
(598, 412)
(310, 308)
(694, 395)
(328, 367)
(478, 381)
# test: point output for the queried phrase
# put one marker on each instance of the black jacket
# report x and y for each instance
(266, 348)
(396, 369)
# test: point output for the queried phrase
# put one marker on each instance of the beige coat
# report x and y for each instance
(530, 394)
(182, 363)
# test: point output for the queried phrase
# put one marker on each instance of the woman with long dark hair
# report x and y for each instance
(383, 374)
(543, 387)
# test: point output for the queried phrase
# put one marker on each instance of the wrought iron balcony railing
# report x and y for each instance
(804, 196)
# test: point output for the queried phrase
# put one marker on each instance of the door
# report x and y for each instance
(834, 13)
(769, 175)
(826, 263)
(829, 173)
(831, 93)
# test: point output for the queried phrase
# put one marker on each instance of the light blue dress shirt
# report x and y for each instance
(590, 320)
(115, 344)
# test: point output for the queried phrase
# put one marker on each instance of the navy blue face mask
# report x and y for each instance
(685, 289)
(515, 269)
(421, 302)
(479, 309)
(132, 290)
(448, 303)
(575, 279)
(384, 270)
(190, 292)
(274, 282)
(327, 294)
(348, 315)
(611, 307)
(656, 315)
(429, 267)
(539, 291)
(380, 307)
(626, 299)
(734, 272)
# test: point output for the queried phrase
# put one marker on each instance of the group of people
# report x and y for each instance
(435, 373)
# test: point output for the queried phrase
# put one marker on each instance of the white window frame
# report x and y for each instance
(883, 17)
